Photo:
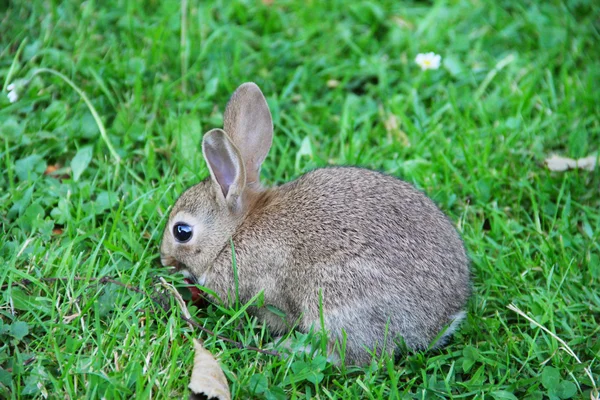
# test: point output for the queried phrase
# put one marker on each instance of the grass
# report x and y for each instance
(519, 81)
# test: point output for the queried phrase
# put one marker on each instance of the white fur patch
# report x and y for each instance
(456, 321)
(201, 280)
(187, 274)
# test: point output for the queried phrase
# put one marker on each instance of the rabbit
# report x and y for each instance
(376, 255)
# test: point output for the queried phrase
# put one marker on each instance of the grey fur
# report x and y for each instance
(389, 263)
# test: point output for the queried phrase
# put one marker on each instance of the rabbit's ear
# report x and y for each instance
(248, 123)
(225, 165)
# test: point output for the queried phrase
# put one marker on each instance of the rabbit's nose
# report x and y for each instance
(168, 261)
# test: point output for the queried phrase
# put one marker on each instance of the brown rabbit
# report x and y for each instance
(387, 263)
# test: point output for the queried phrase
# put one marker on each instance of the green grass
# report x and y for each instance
(519, 81)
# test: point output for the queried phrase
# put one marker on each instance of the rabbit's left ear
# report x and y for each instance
(226, 168)
(247, 121)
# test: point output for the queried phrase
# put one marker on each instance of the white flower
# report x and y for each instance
(15, 88)
(12, 93)
(428, 60)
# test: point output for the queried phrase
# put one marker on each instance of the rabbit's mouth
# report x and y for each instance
(168, 261)
(191, 278)
(176, 266)
(188, 276)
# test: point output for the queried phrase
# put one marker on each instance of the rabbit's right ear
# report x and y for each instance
(226, 167)
(247, 121)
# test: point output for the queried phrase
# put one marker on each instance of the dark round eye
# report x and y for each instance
(182, 232)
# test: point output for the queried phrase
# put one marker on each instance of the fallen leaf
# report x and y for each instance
(557, 163)
(207, 376)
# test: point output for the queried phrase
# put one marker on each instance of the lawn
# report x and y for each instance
(93, 159)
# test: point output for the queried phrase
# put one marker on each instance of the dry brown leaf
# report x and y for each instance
(557, 163)
(207, 376)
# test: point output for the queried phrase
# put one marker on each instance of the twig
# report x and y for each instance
(182, 307)
(105, 280)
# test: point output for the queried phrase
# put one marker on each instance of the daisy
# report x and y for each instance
(428, 60)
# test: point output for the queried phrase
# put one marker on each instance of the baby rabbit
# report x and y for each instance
(385, 261)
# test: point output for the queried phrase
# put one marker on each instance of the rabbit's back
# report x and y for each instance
(345, 213)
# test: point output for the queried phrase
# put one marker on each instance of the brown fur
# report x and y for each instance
(387, 261)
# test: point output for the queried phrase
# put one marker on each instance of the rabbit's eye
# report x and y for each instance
(182, 232)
